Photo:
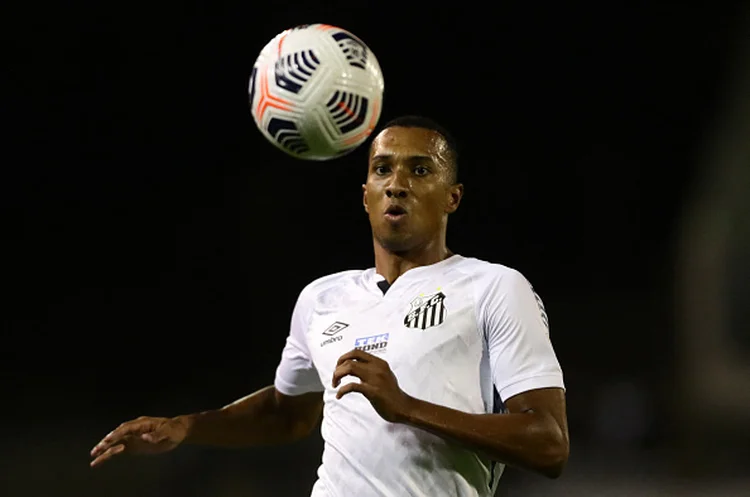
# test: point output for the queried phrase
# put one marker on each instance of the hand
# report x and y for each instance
(141, 436)
(377, 383)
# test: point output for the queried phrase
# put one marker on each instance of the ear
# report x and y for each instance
(364, 198)
(455, 194)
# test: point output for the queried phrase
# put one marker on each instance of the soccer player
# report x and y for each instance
(433, 371)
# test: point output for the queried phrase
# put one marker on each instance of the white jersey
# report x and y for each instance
(461, 333)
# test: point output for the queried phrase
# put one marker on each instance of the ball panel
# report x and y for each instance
(360, 134)
(353, 49)
(319, 135)
(266, 98)
(347, 110)
(293, 70)
(251, 88)
(287, 135)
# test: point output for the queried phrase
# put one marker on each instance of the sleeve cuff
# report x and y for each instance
(533, 383)
(290, 389)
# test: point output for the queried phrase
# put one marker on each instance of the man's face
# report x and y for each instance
(410, 189)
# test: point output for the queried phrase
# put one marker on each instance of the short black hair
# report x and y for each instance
(415, 121)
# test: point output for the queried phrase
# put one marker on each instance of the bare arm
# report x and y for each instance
(263, 418)
(532, 436)
(266, 417)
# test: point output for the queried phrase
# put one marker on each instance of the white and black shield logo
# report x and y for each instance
(426, 312)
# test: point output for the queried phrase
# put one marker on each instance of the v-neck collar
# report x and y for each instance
(373, 280)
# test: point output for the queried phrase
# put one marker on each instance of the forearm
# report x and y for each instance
(526, 440)
(251, 421)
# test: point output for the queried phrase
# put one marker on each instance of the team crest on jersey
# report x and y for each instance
(426, 311)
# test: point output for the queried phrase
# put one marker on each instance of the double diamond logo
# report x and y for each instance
(335, 328)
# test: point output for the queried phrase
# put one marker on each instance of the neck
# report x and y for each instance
(391, 265)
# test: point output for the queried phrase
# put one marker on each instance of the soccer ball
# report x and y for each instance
(316, 91)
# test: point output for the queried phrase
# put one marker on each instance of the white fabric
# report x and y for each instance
(493, 336)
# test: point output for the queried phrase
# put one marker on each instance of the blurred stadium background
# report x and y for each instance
(156, 243)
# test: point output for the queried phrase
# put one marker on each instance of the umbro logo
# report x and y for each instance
(332, 330)
(335, 328)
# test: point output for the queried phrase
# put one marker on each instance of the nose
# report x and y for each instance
(397, 192)
(397, 188)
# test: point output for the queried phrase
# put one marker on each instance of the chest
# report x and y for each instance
(425, 328)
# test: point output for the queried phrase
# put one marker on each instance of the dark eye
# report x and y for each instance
(421, 170)
(380, 169)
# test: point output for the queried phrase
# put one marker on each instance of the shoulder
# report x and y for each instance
(491, 275)
(329, 285)
(495, 285)
(503, 293)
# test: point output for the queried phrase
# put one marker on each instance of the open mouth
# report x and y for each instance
(395, 212)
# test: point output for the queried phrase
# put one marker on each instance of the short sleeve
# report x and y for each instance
(516, 329)
(296, 373)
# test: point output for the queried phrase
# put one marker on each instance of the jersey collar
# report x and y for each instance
(372, 278)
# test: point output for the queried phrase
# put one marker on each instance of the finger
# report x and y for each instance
(362, 388)
(118, 434)
(110, 440)
(355, 355)
(102, 446)
(108, 454)
(346, 369)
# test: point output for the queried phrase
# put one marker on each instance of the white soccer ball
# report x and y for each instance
(316, 91)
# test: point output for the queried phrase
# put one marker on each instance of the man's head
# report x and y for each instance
(411, 184)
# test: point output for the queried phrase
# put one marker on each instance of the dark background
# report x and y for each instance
(155, 242)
